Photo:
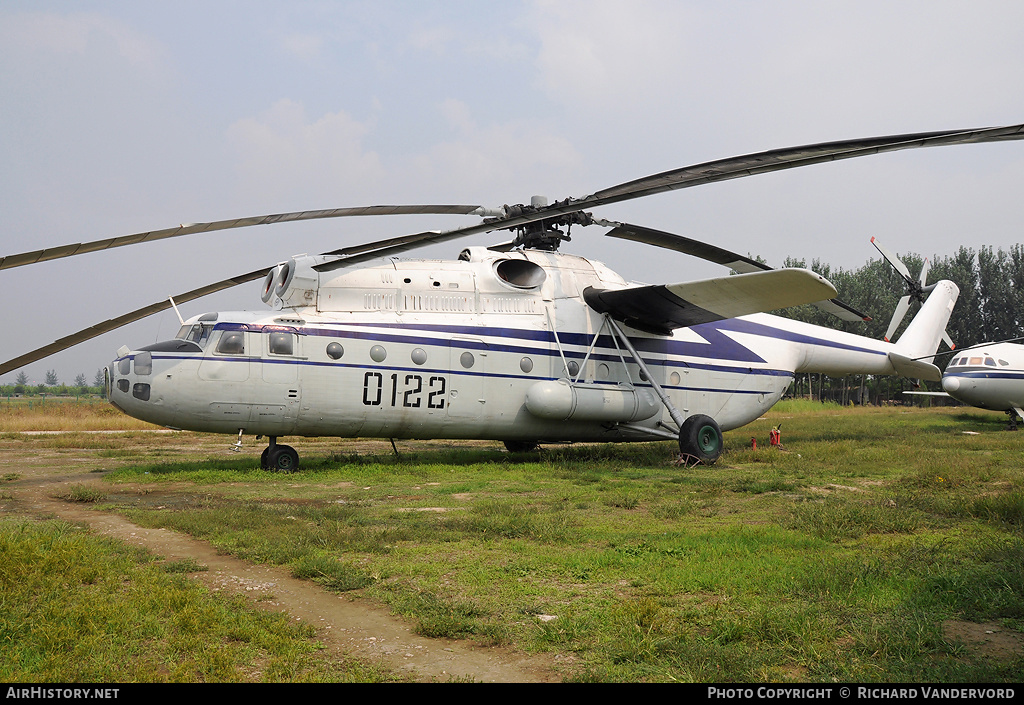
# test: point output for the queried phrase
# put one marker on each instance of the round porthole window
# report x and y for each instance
(419, 356)
(378, 353)
(526, 364)
(467, 359)
(335, 351)
(574, 367)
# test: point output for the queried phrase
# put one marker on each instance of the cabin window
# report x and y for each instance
(124, 366)
(419, 356)
(232, 343)
(122, 384)
(467, 359)
(574, 367)
(282, 343)
(378, 353)
(335, 351)
(141, 391)
(526, 365)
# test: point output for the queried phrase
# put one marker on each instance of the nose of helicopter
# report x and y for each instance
(950, 384)
(129, 384)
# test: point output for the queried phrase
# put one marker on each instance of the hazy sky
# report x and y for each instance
(121, 117)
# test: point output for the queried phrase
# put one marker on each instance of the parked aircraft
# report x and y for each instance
(988, 376)
(518, 342)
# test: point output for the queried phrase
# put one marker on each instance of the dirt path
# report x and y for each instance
(345, 627)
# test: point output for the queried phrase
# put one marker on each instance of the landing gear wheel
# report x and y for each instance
(521, 446)
(701, 438)
(282, 459)
(263, 458)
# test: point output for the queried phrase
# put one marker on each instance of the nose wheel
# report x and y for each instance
(279, 458)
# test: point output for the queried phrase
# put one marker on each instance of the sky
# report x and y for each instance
(123, 117)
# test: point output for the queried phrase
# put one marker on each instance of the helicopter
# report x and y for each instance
(518, 342)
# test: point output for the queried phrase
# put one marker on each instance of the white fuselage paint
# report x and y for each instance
(988, 376)
(448, 349)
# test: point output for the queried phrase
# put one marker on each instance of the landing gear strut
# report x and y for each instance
(1012, 424)
(279, 458)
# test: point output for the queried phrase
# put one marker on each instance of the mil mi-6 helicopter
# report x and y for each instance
(516, 342)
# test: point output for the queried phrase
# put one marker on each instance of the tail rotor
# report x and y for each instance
(917, 290)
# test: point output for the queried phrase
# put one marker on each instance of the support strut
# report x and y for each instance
(677, 417)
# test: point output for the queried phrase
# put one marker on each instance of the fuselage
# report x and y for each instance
(989, 377)
(493, 346)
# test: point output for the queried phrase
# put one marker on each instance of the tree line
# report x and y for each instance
(990, 309)
(22, 386)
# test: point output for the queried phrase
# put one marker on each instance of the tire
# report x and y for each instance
(283, 459)
(701, 438)
(264, 465)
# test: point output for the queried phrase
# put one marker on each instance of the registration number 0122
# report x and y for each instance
(411, 391)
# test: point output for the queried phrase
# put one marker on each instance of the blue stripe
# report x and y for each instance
(463, 373)
(986, 375)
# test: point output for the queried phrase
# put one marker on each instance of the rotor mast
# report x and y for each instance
(543, 234)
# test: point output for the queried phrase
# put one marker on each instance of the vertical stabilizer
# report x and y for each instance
(921, 339)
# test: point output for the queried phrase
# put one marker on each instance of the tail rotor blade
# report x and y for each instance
(947, 340)
(924, 272)
(895, 261)
(897, 317)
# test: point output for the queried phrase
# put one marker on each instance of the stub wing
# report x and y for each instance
(665, 307)
(915, 369)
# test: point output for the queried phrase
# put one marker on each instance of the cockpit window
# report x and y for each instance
(990, 362)
(197, 333)
(232, 343)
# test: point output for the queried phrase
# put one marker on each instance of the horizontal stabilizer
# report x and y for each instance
(915, 369)
(662, 308)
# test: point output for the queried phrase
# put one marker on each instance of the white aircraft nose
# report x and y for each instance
(950, 384)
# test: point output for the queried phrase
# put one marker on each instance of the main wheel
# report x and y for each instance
(283, 459)
(263, 458)
(701, 437)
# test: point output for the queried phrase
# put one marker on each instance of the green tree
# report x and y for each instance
(51, 378)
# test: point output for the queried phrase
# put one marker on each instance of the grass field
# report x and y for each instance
(871, 548)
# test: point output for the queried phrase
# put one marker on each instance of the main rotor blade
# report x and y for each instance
(792, 157)
(79, 248)
(712, 253)
(115, 323)
(696, 175)
(679, 243)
